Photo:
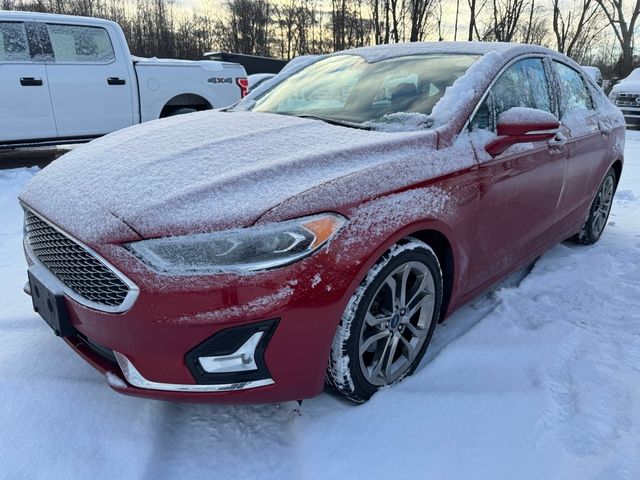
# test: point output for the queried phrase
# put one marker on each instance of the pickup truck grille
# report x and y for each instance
(628, 100)
(76, 267)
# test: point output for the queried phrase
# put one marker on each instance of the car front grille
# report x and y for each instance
(76, 267)
(628, 100)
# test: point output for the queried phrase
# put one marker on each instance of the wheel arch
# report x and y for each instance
(443, 243)
(185, 100)
(617, 167)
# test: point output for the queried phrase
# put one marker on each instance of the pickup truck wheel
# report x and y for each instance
(180, 111)
(388, 323)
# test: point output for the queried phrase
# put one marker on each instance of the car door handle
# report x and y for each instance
(556, 145)
(116, 81)
(31, 82)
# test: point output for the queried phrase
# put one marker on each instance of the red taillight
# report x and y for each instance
(243, 83)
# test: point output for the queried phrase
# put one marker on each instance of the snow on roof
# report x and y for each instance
(383, 52)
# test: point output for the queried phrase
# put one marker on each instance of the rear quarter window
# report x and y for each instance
(573, 92)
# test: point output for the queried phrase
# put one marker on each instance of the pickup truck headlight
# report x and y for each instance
(247, 249)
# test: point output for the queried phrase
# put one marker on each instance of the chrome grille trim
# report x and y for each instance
(84, 275)
(624, 99)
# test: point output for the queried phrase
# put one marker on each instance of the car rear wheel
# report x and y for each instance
(596, 221)
(388, 323)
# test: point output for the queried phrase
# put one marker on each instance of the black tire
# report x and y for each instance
(598, 216)
(181, 111)
(348, 369)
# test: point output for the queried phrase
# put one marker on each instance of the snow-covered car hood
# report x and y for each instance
(627, 86)
(202, 172)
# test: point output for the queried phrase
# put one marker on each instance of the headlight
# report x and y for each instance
(247, 249)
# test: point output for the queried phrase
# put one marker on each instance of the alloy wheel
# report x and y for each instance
(602, 207)
(397, 323)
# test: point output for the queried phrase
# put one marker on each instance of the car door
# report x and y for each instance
(586, 144)
(89, 81)
(519, 187)
(25, 104)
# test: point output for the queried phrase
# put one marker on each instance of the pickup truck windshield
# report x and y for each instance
(347, 88)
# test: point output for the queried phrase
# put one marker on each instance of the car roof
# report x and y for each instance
(383, 52)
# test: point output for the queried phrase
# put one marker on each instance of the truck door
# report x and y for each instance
(89, 81)
(25, 104)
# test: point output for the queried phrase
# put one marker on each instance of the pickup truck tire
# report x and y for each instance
(179, 111)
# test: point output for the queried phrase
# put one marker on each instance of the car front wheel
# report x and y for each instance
(388, 323)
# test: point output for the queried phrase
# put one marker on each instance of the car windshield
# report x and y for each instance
(347, 88)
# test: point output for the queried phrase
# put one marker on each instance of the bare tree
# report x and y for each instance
(439, 20)
(576, 25)
(475, 10)
(623, 28)
(505, 22)
(534, 29)
(247, 30)
(350, 29)
(419, 11)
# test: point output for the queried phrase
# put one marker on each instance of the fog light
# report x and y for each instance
(233, 355)
(242, 360)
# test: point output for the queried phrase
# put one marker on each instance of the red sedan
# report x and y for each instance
(319, 230)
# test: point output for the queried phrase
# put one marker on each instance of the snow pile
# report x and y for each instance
(400, 122)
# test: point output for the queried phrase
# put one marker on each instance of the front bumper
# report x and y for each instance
(145, 351)
(631, 116)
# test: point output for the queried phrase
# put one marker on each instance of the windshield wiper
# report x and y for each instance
(334, 121)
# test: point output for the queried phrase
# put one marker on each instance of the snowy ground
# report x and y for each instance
(539, 379)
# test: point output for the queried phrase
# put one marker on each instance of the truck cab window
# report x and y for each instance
(14, 46)
(80, 44)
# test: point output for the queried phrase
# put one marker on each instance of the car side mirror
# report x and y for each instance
(522, 125)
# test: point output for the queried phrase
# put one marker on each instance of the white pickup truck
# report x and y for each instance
(66, 78)
(626, 96)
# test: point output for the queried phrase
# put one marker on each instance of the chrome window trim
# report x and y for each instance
(128, 301)
(135, 378)
(542, 132)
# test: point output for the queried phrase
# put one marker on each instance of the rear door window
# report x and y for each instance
(574, 94)
(14, 45)
(523, 84)
(76, 44)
